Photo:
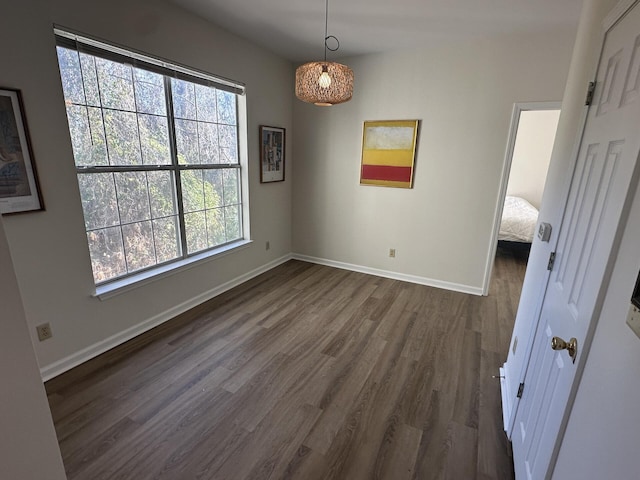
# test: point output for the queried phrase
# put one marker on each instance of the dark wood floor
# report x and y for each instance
(306, 372)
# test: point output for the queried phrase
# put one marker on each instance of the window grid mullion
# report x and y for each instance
(153, 230)
(224, 220)
(124, 247)
(204, 210)
(84, 93)
(125, 168)
(104, 123)
(152, 168)
(218, 132)
(114, 109)
(173, 147)
(239, 176)
(135, 106)
(224, 201)
(200, 161)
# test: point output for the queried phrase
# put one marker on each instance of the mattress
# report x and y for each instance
(519, 219)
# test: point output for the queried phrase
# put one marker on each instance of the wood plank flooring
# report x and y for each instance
(305, 372)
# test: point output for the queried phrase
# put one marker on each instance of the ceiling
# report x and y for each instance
(294, 29)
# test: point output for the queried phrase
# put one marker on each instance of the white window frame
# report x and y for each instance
(138, 278)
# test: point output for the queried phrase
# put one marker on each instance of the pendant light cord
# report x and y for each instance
(326, 27)
(326, 33)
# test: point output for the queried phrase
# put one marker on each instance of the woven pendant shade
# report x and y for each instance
(309, 87)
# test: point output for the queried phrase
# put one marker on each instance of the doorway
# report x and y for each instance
(529, 146)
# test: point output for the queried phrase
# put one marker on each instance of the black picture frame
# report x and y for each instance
(272, 153)
(19, 189)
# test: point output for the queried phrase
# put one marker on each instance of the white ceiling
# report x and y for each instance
(294, 29)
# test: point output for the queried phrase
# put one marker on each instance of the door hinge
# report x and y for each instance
(590, 90)
(520, 390)
(552, 260)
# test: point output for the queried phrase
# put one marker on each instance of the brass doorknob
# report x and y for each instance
(571, 347)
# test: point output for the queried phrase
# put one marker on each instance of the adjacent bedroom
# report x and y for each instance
(529, 152)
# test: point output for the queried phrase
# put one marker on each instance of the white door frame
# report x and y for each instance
(518, 108)
(509, 410)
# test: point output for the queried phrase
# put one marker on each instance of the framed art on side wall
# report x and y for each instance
(272, 145)
(18, 182)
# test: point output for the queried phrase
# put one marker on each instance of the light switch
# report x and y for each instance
(633, 319)
(544, 232)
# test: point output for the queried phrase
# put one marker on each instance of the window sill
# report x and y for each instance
(112, 289)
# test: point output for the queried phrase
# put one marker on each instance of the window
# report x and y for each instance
(157, 158)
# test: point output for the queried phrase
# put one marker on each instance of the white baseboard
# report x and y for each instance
(430, 282)
(50, 371)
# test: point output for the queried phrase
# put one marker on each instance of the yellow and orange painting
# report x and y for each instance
(388, 153)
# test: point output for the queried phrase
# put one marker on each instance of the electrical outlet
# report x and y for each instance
(267, 246)
(392, 252)
(44, 332)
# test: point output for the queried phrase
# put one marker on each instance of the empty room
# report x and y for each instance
(262, 239)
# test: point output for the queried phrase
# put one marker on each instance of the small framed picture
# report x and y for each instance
(18, 181)
(272, 145)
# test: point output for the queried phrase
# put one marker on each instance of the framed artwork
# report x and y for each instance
(272, 145)
(388, 153)
(18, 181)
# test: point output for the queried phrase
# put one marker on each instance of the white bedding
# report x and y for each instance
(519, 220)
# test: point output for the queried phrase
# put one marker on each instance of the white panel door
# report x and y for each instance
(599, 192)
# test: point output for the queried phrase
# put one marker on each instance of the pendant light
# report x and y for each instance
(324, 83)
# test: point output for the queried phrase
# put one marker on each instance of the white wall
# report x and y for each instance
(28, 445)
(532, 153)
(463, 93)
(49, 248)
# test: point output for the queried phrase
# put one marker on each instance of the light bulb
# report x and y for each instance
(325, 80)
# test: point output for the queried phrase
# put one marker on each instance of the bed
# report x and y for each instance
(519, 219)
